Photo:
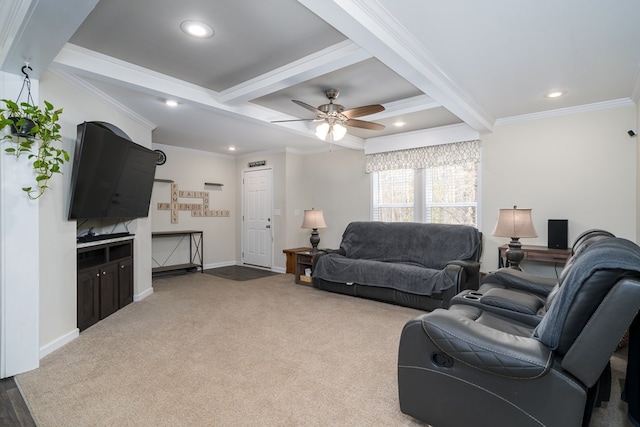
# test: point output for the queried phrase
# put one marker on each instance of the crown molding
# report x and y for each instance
(166, 147)
(82, 84)
(623, 102)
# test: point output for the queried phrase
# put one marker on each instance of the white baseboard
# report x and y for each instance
(70, 336)
(220, 264)
(143, 295)
(60, 342)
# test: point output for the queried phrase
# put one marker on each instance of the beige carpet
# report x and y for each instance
(204, 351)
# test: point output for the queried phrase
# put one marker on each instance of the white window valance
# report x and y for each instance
(425, 157)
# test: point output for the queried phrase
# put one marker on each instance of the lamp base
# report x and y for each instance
(314, 239)
(514, 253)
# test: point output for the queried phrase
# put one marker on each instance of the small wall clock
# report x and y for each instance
(162, 158)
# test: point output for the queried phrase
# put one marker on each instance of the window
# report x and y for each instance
(451, 194)
(445, 193)
(393, 195)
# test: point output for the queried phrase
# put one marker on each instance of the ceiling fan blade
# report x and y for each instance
(295, 120)
(308, 107)
(364, 125)
(363, 111)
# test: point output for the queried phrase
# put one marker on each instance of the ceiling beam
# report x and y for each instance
(405, 106)
(330, 59)
(90, 64)
(372, 27)
(34, 31)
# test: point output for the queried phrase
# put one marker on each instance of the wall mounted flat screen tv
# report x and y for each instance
(112, 176)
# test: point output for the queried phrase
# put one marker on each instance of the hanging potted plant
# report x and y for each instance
(34, 131)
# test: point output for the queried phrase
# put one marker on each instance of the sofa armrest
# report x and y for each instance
(471, 278)
(485, 348)
(521, 280)
(322, 252)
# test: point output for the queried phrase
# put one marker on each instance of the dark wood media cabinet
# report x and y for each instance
(105, 279)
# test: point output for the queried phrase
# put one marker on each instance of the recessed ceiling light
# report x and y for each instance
(554, 94)
(171, 102)
(399, 124)
(197, 29)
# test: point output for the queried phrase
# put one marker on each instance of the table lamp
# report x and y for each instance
(514, 223)
(313, 219)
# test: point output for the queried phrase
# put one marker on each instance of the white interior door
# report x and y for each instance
(257, 224)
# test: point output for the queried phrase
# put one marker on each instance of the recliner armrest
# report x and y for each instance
(471, 278)
(517, 279)
(484, 348)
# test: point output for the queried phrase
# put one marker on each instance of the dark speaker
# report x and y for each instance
(557, 235)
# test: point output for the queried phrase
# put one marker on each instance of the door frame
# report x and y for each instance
(242, 213)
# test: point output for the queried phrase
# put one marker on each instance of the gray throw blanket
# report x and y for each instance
(608, 254)
(405, 256)
(403, 277)
(428, 245)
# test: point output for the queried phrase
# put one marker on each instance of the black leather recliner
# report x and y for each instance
(470, 366)
(521, 295)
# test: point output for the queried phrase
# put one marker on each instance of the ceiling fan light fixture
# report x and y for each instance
(322, 130)
(338, 131)
(197, 29)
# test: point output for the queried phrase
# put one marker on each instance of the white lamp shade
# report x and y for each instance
(339, 132)
(514, 223)
(322, 130)
(336, 131)
(313, 219)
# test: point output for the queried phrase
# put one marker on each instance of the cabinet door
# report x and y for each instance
(108, 290)
(125, 282)
(88, 298)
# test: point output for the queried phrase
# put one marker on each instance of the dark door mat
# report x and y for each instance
(239, 272)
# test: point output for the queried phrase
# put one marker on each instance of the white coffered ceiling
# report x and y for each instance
(430, 63)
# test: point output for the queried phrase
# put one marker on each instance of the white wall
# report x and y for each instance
(190, 169)
(57, 234)
(581, 167)
(19, 253)
(336, 183)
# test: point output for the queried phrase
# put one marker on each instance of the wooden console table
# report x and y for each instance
(536, 253)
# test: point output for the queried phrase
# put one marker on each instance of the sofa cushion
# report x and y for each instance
(428, 245)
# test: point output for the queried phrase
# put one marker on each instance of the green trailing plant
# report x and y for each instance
(34, 131)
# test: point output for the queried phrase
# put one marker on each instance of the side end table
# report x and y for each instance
(291, 258)
(303, 262)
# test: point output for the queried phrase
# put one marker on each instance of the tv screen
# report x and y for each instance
(112, 176)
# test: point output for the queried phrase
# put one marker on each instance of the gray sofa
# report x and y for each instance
(411, 264)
